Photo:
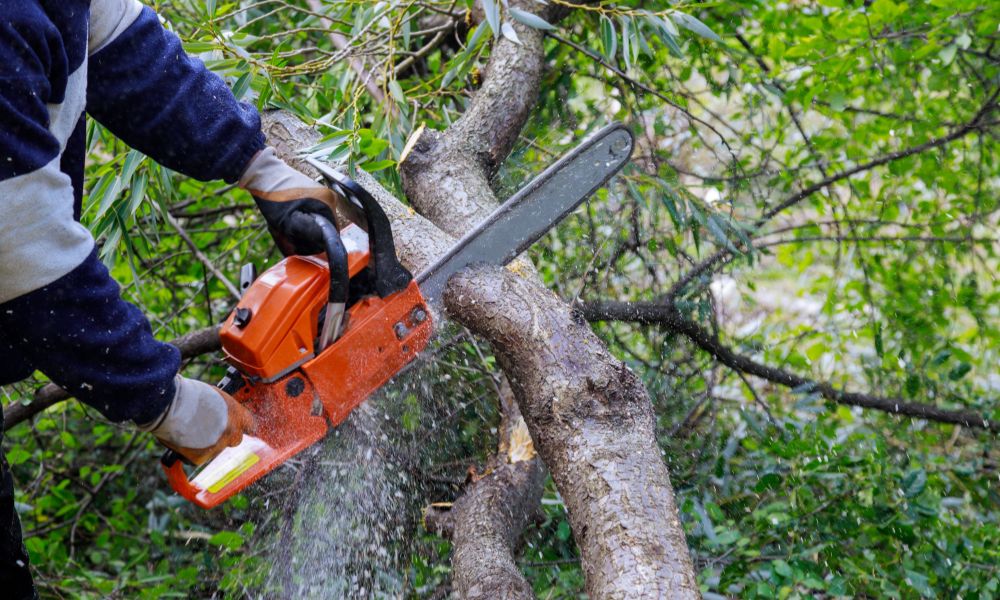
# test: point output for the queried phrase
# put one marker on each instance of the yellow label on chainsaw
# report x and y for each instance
(247, 462)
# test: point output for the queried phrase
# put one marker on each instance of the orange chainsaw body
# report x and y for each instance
(294, 393)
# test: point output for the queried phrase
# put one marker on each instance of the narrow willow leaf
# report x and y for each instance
(718, 230)
(106, 191)
(136, 194)
(670, 41)
(530, 20)
(609, 39)
(635, 41)
(641, 44)
(475, 38)
(378, 165)
(670, 202)
(668, 24)
(626, 41)
(508, 32)
(694, 26)
(242, 85)
(397, 91)
(492, 12)
(198, 47)
(133, 159)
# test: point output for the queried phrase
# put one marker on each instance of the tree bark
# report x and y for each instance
(605, 460)
(486, 522)
(593, 425)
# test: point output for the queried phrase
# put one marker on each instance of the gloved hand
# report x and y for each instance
(201, 421)
(287, 199)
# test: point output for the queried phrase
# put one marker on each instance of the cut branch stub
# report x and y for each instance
(593, 425)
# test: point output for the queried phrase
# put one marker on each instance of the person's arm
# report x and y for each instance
(60, 311)
(143, 87)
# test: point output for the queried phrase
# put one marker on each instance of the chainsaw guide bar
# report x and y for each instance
(314, 336)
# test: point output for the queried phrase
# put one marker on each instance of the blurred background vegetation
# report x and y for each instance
(883, 283)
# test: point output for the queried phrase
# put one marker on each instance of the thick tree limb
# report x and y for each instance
(446, 176)
(485, 526)
(668, 317)
(196, 343)
(486, 522)
(592, 423)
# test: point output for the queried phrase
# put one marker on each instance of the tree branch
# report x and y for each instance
(630, 538)
(669, 317)
(593, 424)
(486, 522)
(724, 255)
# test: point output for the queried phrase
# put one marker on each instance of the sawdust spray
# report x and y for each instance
(349, 512)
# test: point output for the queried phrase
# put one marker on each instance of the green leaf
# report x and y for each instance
(769, 481)
(920, 583)
(947, 54)
(199, 47)
(530, 20)
(229, 540)
(667, 24)
(107, 190)
(508, 32)
(668, 198)
(133, 159)
(492, 12)
(782, 568)
(609, 38)
(136, 193)
(694, 25)
(563, 531)
(242, 85)
(960, 371)
(914, 483)
(625, 23)
(397, 92)
(717, 227)
(378, 165)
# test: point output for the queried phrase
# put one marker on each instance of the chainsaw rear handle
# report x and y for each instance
(173, 466)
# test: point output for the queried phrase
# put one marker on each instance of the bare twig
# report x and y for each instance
(204, 260)
(668, 316)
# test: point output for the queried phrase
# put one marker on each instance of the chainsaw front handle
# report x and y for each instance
(340, 282)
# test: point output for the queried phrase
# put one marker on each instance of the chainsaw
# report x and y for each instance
(313, 336)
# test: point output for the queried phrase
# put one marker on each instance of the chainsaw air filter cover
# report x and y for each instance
(274, 327)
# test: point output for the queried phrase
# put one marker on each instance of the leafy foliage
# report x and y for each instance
(884, 281)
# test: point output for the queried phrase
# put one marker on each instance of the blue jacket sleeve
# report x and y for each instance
(88, 340)
(150, 93)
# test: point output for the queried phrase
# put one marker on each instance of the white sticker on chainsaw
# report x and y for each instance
(230, 464)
